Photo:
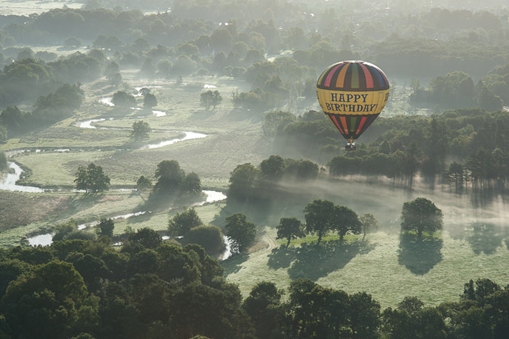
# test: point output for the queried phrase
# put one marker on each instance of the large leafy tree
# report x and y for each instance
(169, 176)
(319, 216)
(46, 302)
(210, 98)
(105, 227)
(182, 223)
(421, 215)
(123, 99)
(149, 100)
(191, 184)
(263, 305)
(91, 179)
(273, 168)
(368, 224)
(209, 237)
(290, 228)
(243, 182)
(241, 231)
(140, 130)
(346, 220)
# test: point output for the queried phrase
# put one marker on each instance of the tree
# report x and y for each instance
(243, 182)
(143, 184)
(91, 179)
(273, 168)
(45, 302)
(105, 227)
(319, 216)
(364, 314)
(122, 99)
(345, 220)
(169, 176)
(146, 237)
(210, 98)
(456, 174)
(191, 184)
(421, 215)
(368, 224)
(290, 228)
(274, 122)
(3, 161)
(209, 237)
(140, 130)
(64, 229)
(263, 305)
(149, 100)
(240, 231)
(111, 68)
(182, 223)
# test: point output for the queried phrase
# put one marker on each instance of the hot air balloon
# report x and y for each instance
(352, 94)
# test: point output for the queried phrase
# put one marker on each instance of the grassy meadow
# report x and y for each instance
(471, 246)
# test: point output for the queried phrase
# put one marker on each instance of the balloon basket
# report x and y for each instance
(350, 146)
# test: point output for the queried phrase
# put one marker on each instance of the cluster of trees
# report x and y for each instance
(154, 288)
(92, 179)
(237, 47)
(28, 78)
(172, 179)
(47, 110)
(88, 289)
(399, 148)
(188, 227)
(418, 216)
(210, 98)
(457, 90)
(323, 217)
(258, 183)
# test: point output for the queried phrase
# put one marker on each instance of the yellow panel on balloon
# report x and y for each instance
(352, 103)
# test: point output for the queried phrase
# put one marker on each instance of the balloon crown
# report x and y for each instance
(353, 75)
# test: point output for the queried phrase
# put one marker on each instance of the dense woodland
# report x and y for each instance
(456, 62)
(152, 288)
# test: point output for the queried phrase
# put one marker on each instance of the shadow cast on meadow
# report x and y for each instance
(233, 264)
(419, 255)
(314, 261)
(486, 238)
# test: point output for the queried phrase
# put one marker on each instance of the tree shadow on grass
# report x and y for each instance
(317, 261)
(234, 263)
(282, 257)
(419, 255)
(486, 238)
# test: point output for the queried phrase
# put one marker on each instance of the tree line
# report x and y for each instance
(464, 148)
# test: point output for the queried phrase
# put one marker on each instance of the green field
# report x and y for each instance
(470, 247)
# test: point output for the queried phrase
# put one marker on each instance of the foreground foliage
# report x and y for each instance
(150, 288)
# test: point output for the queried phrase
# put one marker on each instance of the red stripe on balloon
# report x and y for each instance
(361, 124)
(328, 79)
(336, 122)
(367, 76)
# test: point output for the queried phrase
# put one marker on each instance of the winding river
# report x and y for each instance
(9, 184)
(211, 197)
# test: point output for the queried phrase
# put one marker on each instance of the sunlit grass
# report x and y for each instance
(378, 269)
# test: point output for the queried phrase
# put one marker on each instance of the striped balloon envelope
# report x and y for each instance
(352, 94)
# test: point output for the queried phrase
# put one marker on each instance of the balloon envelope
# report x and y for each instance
(352, 94)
